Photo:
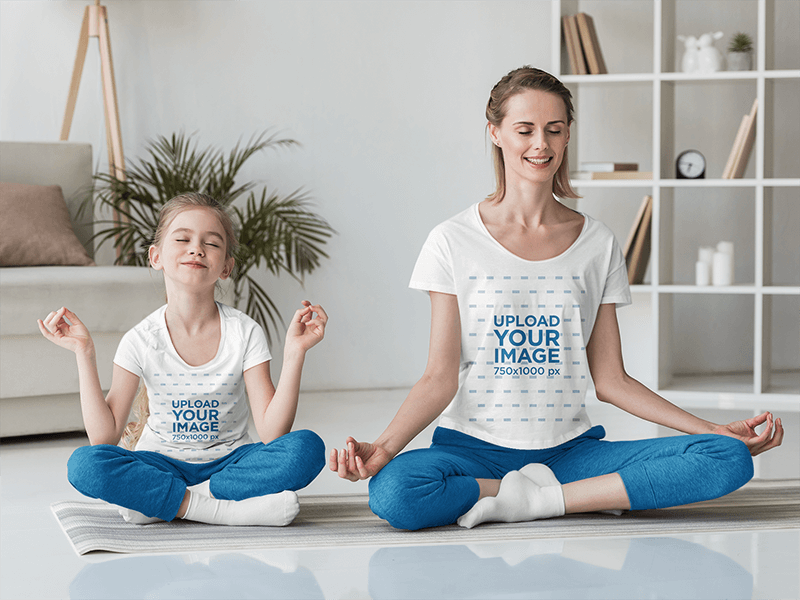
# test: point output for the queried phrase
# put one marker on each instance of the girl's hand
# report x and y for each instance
(361, 460)
(65, 329)
(745, 430)
(306, 330)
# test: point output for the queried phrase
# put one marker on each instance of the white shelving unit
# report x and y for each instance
(762, 387)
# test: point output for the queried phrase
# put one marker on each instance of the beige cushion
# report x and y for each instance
(35, 228)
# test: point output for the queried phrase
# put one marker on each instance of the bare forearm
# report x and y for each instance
(426, 401)
(638, 400)
(278, 418)
(101, 427)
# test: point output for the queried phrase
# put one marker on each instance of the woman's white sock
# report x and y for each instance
(519, 499)
(272, 510)
(540, 474)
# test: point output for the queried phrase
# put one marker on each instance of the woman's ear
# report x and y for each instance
(155, 258)
(493, 134)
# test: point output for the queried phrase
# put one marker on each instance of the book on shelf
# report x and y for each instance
(577, 63)
(637, 246)
(608, 167)
(743, 156)
(607, 175)
(742, 145)
(591, 45)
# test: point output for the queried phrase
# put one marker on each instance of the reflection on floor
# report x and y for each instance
(37, 561)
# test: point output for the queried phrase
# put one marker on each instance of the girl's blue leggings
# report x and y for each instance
(434, 486)
(154, 484)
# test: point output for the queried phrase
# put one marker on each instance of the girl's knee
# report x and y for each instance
(86, 468)
(310, 449)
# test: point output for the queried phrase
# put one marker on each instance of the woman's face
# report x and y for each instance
(533, 137)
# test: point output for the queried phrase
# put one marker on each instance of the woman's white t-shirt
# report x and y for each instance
(197, 414)
(524, 328)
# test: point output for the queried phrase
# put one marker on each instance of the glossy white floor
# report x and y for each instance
(37, 562)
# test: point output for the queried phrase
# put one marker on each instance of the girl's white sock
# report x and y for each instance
(135, 517)
(519, 499)
(273, 510)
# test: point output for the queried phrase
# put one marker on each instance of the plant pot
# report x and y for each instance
(740, 61)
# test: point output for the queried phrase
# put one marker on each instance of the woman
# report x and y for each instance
(523, 309)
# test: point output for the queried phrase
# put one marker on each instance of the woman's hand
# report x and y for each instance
(745, 430)
(306, 330)
(65, 329)
(361, 460)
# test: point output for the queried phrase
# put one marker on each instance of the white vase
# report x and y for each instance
(740, 61)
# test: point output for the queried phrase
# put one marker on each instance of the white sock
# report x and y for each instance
(135, 517)
(204, 487)
(540, 474)
(519, 499)
(272, 510)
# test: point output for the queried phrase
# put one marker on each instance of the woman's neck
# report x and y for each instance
(530, 205)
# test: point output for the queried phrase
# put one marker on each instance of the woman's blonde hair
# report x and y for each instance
(188, 200)
(516, 82)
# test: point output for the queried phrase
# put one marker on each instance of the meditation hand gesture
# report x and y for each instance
(65, 329)
(361, 460)
(306, 331)
(746, 431)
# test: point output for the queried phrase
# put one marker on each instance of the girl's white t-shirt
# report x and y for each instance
(524, 328)
(197, 414)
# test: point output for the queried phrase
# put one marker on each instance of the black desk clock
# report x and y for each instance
(690, 165)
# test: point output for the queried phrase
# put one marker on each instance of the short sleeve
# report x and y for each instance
(433, 271)
(616, 290)
(128, 356)
(257, 349)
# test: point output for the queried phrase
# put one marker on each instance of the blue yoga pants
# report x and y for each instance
(434, 486)
(154, 484)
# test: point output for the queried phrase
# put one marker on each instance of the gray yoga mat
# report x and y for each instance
(345, 520)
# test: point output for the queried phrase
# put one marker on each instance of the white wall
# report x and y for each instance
(387, 99)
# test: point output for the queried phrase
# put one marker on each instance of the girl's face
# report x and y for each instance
(533, 137)
(193, 249)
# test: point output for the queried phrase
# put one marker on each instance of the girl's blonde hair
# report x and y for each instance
(516, 82)
(189, 200)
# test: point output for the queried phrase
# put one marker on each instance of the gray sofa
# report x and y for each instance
(38, 380)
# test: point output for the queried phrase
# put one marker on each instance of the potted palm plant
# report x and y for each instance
(279, 233)
(740, 52)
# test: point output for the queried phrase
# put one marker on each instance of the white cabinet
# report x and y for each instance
(718, 347)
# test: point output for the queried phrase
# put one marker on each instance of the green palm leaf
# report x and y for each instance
(278, 233)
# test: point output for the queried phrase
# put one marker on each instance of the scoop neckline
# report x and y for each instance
(485, 230)
(175, 351)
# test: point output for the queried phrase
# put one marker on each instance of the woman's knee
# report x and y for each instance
(742, 461)
(734, 466)
(394, 497)
(407, 495)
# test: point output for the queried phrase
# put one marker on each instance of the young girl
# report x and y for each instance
(523, 297)
(197, 359)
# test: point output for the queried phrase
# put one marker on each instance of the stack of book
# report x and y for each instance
(610, 170)
(742, 146)
(583, 46)
(637, 247)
